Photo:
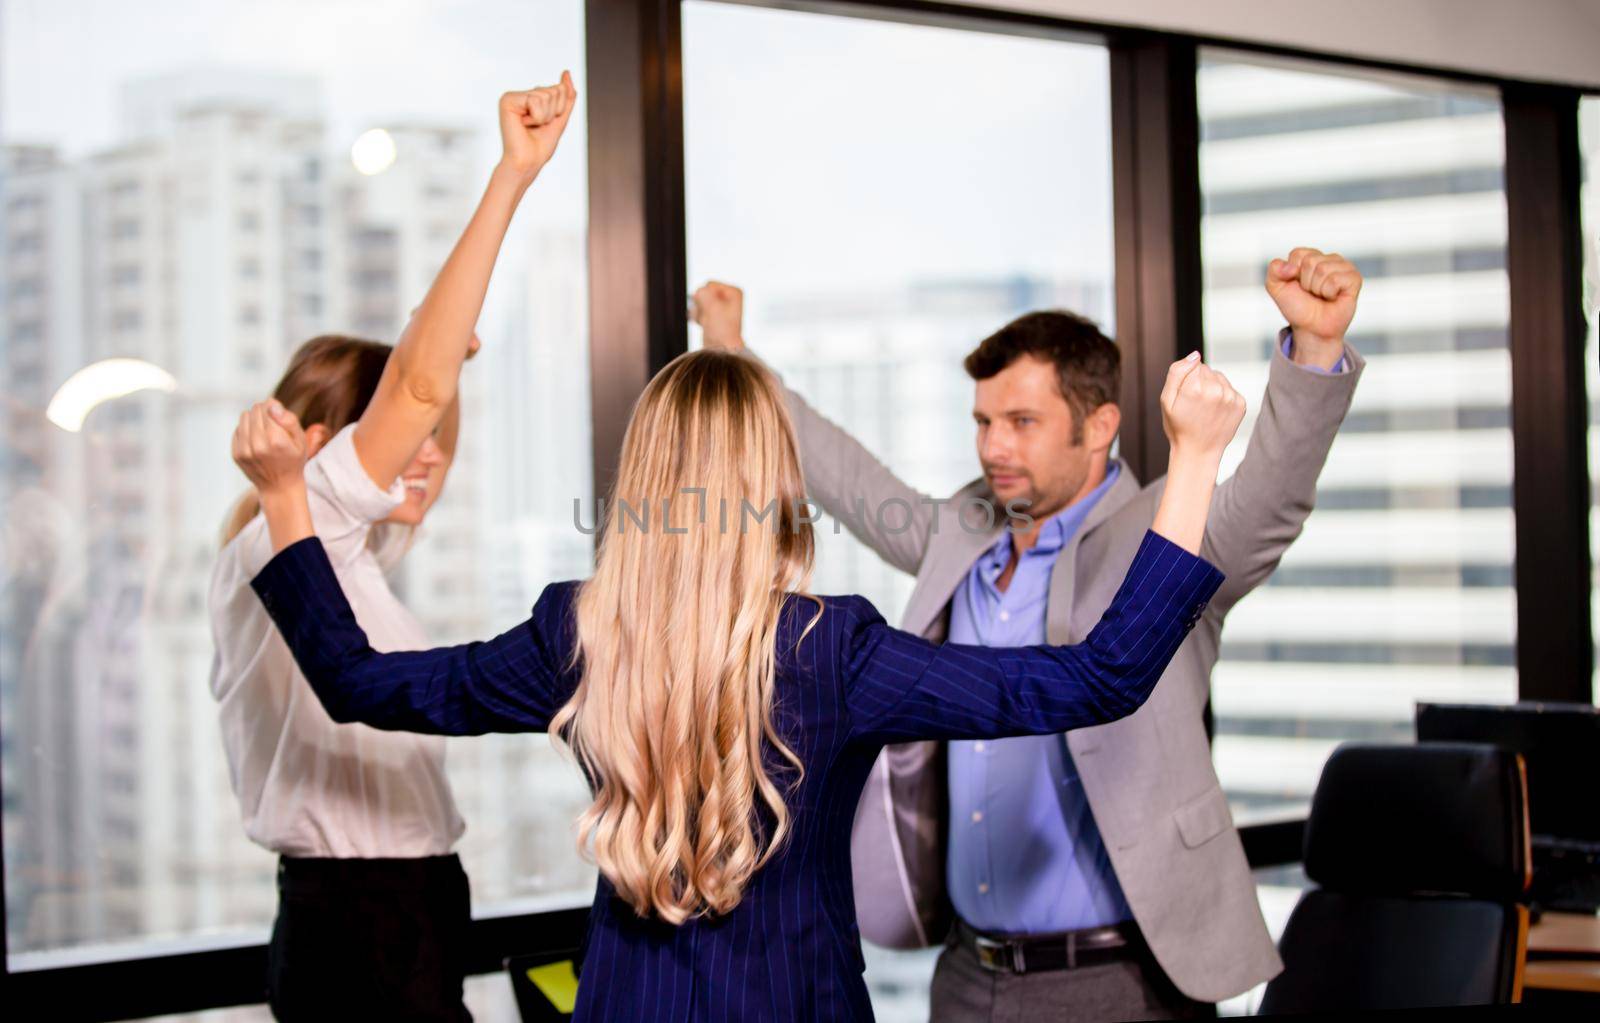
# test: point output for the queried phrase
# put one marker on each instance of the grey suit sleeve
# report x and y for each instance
(1260, 510)
(881, 510)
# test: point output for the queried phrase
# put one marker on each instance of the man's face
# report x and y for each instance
(1025, 439)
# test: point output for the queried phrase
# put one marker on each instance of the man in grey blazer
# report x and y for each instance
(1099, 877)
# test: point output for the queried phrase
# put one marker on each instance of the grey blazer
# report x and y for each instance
(1149, 777)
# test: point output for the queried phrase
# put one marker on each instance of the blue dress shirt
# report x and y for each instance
(1025, 854)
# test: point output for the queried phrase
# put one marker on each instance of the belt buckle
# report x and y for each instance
(997, 956)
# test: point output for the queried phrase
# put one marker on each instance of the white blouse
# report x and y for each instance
(307, 786)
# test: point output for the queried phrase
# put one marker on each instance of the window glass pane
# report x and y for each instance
(191, 199)
(888, 195)
(1400, 588)
(1589, 140)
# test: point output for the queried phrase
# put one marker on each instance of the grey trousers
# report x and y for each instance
(964, 992)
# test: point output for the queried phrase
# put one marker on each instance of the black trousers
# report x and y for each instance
(369, 939)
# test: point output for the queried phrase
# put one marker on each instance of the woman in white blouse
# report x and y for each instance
(372, 904)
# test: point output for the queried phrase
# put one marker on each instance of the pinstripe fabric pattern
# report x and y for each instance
(791, 950)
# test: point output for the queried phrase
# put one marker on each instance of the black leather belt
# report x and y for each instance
(1066, 951)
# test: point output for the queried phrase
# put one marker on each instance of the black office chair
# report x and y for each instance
(1420, 856)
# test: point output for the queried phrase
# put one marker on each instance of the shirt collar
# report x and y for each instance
(1060, 527)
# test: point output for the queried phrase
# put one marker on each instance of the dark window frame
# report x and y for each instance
(638, 283)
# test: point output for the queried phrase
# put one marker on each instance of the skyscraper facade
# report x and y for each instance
(224, 230)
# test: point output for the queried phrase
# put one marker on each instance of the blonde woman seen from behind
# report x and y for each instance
(725, 717)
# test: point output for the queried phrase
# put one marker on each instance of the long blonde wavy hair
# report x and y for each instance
(677, 636)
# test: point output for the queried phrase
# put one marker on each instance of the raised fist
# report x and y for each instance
(1200, 410)
(1316, 293)
(270, 446)
(719, 309)
(531, 123)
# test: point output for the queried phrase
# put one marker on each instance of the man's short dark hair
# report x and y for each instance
(1088, 365)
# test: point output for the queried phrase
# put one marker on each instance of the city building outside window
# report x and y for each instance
(189, 199)
(1401, 587)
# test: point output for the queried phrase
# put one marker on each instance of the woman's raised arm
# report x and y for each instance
(419, 382)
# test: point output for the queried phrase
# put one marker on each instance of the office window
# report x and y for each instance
(122, 836)
(888, 195)
(1589, 140)
(1400, 588)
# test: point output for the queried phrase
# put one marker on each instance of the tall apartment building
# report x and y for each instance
(40, 599)
(224, 231)
(1401, 587)
(172, 247)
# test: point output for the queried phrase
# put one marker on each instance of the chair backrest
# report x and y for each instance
(1420, 855)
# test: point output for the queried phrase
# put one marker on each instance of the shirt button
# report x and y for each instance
(1005, 616)
(977, 747)
(983, 888)
(977, 815)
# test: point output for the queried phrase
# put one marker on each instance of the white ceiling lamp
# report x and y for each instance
(100, 382)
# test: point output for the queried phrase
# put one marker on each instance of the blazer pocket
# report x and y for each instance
(1201, 820)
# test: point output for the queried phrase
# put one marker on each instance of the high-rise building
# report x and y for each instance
(1401, 587)
(43, 608)
(170, 248)
(216, 237)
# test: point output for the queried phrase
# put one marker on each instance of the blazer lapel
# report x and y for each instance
(964, 534)
(1064, 575)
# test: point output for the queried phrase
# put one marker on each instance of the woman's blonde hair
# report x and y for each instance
(330, 380)
(702, 539)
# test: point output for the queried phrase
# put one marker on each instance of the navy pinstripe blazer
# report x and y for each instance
(790, 950)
